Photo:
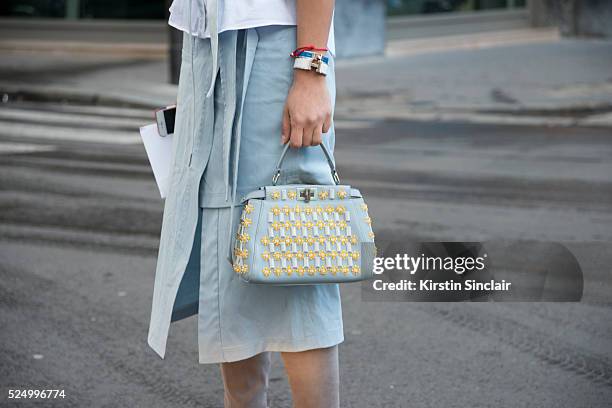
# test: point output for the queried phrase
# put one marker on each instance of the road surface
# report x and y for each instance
(79, 227)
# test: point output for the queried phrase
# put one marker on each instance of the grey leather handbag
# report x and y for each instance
(304, 234)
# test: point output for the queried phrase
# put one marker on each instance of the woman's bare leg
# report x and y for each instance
(246, 382)
(314, 377)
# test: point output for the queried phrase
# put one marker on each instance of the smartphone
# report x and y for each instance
(165, 120)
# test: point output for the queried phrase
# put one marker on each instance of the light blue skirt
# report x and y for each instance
(237, 320)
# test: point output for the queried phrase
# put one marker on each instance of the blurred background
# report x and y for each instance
(479, 120)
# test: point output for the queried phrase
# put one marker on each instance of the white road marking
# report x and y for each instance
(37, 131)
(11, 148)
(30, 116)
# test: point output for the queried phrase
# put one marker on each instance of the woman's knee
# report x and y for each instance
(246, 381)
(314, 377)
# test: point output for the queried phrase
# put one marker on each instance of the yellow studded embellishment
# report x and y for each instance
(340, 209)
(319, 209)
(308, 210)
(364, 207)
(276, 256)
(237, 268)
(276, 211)
(323, 194)
(246, 222)
(298, 209)
(329, 209)
(312, 270)
(288, 240)
(321, 240)
(266, 271)
(278, 271)
(343, 254)
(275, 195)
(243, 237)
(322, 270)
(354, 239)
(299, 255)
(241, 253)
(355, 270)
(291, 194)
(371, 234)
(367, 220)
(276, 225)
(286, 210)
(322, 254)
(249, 208)
(341, 194)
(265, 255)
(298, 240)
(311, 255)
(355, 255)
(345, 270)
(265, 241)
(310, 240)
(333, 270)
(300, 270)
(276, 241)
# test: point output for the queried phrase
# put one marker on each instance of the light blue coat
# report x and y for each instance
(267, 50)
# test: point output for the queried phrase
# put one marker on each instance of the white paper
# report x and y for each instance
(159, 151)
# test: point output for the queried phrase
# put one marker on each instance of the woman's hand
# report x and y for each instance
(307, 112)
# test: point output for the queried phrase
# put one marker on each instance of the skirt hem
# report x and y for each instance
(242, 352)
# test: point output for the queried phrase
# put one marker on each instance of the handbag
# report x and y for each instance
(304, 234)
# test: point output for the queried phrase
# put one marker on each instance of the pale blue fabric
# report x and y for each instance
(253, 122)
(233, 150)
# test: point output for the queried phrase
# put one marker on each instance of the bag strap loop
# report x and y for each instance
(328, 156)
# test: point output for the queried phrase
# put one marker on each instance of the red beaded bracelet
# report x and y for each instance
(296, 53)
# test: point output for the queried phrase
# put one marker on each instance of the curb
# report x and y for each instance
(587, 114)
(599, 120)
(51, 93)
(132, 50)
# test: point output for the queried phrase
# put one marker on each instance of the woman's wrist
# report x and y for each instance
(304, 76)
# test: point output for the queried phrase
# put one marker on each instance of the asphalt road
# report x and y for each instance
(79, 223)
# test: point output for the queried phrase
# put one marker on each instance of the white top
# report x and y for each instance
(236, 15)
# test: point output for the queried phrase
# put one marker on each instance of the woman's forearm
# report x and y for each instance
(313, 21)
(307, 113)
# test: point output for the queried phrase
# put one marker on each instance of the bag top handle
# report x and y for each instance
(328, 156)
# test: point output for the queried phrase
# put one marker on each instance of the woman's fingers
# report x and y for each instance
(303, 132)
(286, 127)
(307, 138)
(312, 135)
(327, 123)
(317, 137)
(297, 134)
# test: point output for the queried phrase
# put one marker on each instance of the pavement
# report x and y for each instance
(445, 144)
(517, 75)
